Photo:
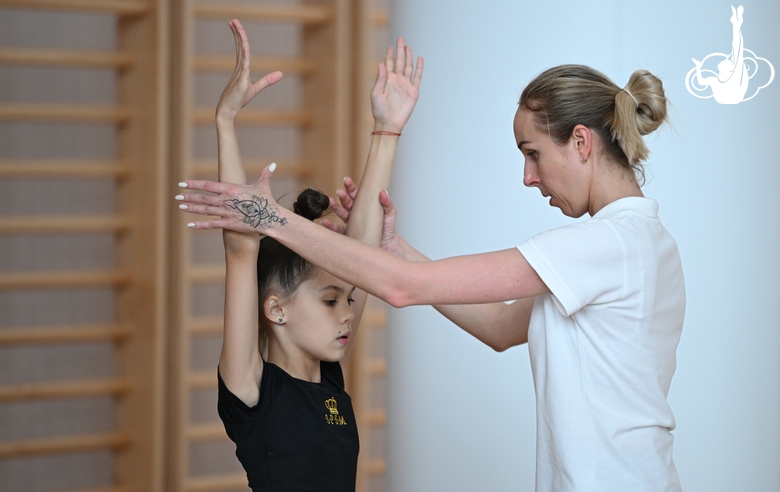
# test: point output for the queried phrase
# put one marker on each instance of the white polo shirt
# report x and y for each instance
(602, 349)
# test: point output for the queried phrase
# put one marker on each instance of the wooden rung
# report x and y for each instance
(380, 18)
(64, 279)
(202, 380)
(65, 58)
(207, 274)
(225, 63)
(116, 488)
(207, 432)
(287, 117)
(47, 169)
(375, 467)
(63, 224)
(301, 13)
(285, 167)
(119, 7)
(205, 326)
(374, 418)
(65, 444)
(64, 334)
(230, 481)
(70, 113)
(63, 389)
(375, 367)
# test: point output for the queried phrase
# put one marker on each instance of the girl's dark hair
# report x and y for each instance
(279, 269)
(562, 97)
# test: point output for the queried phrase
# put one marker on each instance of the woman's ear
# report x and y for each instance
(583, 141)
(273, 310)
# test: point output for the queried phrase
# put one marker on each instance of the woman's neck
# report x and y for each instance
(612, 182)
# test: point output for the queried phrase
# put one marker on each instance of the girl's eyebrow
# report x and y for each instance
(337, 289)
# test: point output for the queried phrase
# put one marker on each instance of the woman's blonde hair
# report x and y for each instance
(565, 96)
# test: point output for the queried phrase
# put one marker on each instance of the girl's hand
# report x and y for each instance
(240, 208)
(391, 241)
(240, 89)
(396, 89)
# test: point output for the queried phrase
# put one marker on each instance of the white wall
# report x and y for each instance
(462, 418)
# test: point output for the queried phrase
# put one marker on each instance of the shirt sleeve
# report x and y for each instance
(230, 407)
(582, 264)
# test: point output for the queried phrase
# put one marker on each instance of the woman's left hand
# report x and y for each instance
(396, 89)
(240, 208)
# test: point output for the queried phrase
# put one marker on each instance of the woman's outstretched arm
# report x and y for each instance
(473, 279)
(497, 325)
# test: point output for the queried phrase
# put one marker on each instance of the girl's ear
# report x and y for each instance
(273, 311)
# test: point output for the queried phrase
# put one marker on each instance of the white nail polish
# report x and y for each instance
(272, 167)
(183, 206)
(179, 197)
(191, 224)
(182, 185)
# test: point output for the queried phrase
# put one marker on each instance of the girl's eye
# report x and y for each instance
(350, 301)
(330, 302)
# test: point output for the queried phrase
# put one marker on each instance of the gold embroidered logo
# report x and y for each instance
(334, 418)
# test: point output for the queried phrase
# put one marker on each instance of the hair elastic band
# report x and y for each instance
(631, 96)
(380, 132)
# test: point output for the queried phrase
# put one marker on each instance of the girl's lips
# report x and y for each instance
(344, 339)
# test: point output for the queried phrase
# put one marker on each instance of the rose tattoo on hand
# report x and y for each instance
(256, 211)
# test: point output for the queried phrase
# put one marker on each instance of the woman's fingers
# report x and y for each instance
(350, 187)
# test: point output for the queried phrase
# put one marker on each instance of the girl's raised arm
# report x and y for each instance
(240, 362)
(393, 98)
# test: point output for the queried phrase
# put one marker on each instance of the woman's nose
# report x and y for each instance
(529, 176)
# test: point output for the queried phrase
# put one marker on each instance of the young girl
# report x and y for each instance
(288, 323)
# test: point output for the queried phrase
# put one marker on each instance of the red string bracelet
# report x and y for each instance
(380, 132)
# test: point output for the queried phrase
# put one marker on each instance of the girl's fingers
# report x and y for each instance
(381, 79)
(408, 65)
(268, 80)
(346, 201)
(389, 59)
(418, 72)
(400, 53)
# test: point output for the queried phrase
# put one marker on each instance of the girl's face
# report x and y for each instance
(555, 169)
(319, 317)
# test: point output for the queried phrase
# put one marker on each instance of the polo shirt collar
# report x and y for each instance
(638, 204)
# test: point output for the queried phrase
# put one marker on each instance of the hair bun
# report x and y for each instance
(640, 109)
(311, 204)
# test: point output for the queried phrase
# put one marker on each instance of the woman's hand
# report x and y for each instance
(240, 89)
(240, 208)
(396, 89)
(391, 241)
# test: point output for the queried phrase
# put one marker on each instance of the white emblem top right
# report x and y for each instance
(731, 83)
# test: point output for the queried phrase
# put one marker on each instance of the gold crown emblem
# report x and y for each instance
(332, 406)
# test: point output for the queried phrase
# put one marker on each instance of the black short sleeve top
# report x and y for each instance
(301, 436)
